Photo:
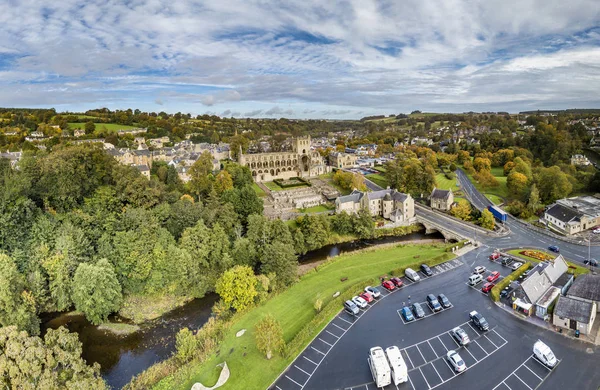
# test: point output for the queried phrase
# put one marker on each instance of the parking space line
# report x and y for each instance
(417, 347)
(524, 364)
(480, 347)
(309, 360)
(543, 365)
(294, 381)
(337, 337)
(333, 323)
(423, 375)
(522, 381)
(302, 370)
(497, 334)
(431, 347)
(408, 356)
(472, 327)
(345, 320)
(450, 367)
(436, 371)
(325, 341)
(488, 339)
(278, 388)
(469, 352)
(317, 350)
(441, 342)
(530, 370)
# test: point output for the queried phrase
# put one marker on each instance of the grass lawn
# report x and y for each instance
(495, 199)
(100, 126)
(294, 310)
(500, 191)
(317, 209)
(443, 183)
(275, 187)
(422, 115)
(515, 252)
(379, 168)
(259, 191)
(378, 179)
(328, 177)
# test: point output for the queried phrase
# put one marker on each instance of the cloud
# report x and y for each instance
(314, 58)
(226, 113)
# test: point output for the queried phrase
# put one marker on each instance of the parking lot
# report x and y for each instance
(426, 308)
(499, 357)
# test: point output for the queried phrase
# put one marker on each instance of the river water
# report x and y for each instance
(122, 357)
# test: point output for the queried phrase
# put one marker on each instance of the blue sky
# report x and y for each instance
(300, 58)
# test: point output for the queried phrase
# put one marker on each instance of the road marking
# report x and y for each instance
(345, 320)
(309, 360)
(472, 327)
(436, 371)
(443, 345)
(333, 323)
(488, 339)
(317, 350)
(331, 334)
(278, 388)
(302, 370)
(469, 352)
(325, 342)
(294, 381)
(525, 365)
(411, 363)
(480, 347)
(428, 385)
(417, 347)
(519, 378)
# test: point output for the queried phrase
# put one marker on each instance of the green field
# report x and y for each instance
(294, 310)
(101, 126)
(500, 191)
(379, 168)
(422, 115)
(328, 177)
(378, 179)
(443, 183)
(317, 209)
(579, 270)
(494, 199)
(259, 191)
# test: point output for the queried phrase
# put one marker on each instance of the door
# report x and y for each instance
(573, 324)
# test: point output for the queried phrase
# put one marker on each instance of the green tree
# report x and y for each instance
(552, 184)
(186, 345)
(533, 202)
(201, 179)
(59, 283)
(269, 336)
(17, 305)
(29, 363)
(508, 167)
(245, 202)
(223, 182)
(237, 287)
(487, 220)
(96, 291)
(523, 167)
(281, 260)
(516, 183)
(363, 224)
(90, 127)
(482, 164)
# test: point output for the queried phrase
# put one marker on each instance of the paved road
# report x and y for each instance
(500, 358)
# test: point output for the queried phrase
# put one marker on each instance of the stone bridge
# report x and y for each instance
(431, 227)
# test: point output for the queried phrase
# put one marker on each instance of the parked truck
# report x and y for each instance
(380, 369)
(498, 213)
(397, 364)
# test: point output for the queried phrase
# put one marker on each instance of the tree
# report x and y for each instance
(462, 210)
(223, 182)
(482, 164)
(552, 184)
(487, 220)
(508, 167)
(96, 291)
(17, 305)
(237, 287)
(201, 175)
(516, 183)
(245, 201)
(55, 363)
(463, 156)
(281, 260)
(533, 202)
(363, 224)
(523, 167)
(90, 127)
(186, 345)
(486, 179)
(269, 336)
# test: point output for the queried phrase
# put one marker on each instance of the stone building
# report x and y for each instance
(441, 199)
(342, 160)
(389, 204)
(300, 162)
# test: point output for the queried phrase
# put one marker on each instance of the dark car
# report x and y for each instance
(443, 301)
(505, 260)
(479, 320)
(426, 270)
(407, 314)
(433, 303)
(505, 292)
(418, 310)
(554, 249)
(591, 262)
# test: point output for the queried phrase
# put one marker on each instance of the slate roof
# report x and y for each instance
(563, 213)
(440, 194)
(574, 309)
(354, 196)
(586, 287)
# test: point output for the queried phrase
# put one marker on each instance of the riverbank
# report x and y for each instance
(294, 310)
(143, 309)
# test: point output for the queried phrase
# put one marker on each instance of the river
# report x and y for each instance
(122, 357)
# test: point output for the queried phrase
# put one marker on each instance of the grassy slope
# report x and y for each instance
(378, 179)
(259, 191)
(294, 309)
(109, 126)
(444, 184)
(515, 252)
(500, 191)
(328, 177)
(317, 209)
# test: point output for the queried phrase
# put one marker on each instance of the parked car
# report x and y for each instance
(554, 249)
(367, 297)
(505, 260)
(494, 256)
(544, 354)
(462, 338)
(596, 230)
(351, 308)
(479, 320)
(591, 262)
(479, 269)
(388, 285)
(515, 265)
(505, 292)
(358, 301)
(407, 314)
(456, 361)
(526, 273)
(397, 282)
(443, 301)
(418, 310)
(475, 279)
(412, 274)
(493, 276)
(433, 303)
(373, 291)
(426, 270)
(487, 287)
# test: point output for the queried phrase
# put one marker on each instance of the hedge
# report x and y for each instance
(495, 293)
(302, 183)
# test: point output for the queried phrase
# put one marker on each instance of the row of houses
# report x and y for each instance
(573, 215)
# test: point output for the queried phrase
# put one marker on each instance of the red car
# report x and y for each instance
(494, 256)
(487, 287)
(367, 297)
(389, 285)
(397, 282)
(493, 276)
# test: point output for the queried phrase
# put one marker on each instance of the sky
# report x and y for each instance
(337, 59)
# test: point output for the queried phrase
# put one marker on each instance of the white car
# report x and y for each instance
(460, 335)
(544, 354)
(596, 231)
(479, 269)
(360, 302)
(456, 361)
(515, 265)
(373, 291)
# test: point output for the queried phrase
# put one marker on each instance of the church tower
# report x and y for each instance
(301, 145)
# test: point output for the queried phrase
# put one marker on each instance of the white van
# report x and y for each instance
(397, 364)
(412, 274)
(474, 279)
(544, 354)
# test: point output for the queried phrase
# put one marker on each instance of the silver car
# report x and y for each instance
(360, 302)
(456, 361)
(373, 291)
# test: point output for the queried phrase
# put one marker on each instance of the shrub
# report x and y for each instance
(318, 305)
(185, 344)
(450, 175)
